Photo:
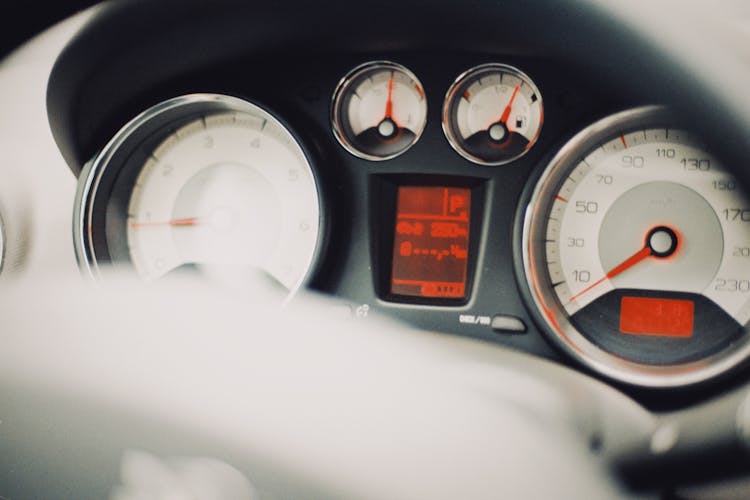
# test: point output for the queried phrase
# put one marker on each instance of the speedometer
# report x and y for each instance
(636, 252)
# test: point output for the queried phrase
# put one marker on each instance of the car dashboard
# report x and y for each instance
(479, 123)
(457, 179)
(357, 197)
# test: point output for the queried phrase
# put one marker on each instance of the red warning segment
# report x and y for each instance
(431, 242)
(658, 317)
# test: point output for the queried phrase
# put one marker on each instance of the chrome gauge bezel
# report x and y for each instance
(338, 101)
(139, 136)
(453, 91)
(550, 313)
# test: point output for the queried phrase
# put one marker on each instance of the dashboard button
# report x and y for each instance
(507, 324)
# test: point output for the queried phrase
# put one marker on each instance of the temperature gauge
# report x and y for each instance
(492, 114)
(379, 110)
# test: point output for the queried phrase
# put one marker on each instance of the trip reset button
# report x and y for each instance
(507, 324)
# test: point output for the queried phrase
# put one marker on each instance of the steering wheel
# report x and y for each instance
(175, 391)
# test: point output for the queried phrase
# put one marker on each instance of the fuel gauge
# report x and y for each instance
(379, 110)
(492, 114)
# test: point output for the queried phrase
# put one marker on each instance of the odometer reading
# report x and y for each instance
(431, 242)
(653, 316)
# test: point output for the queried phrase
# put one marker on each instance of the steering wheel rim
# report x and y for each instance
(683, 82)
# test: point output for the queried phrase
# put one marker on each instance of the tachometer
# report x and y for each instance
(205, 183)
(636, 251)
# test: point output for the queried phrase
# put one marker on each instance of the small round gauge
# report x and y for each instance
(379, 110)
(492, 114)
(637, 253)
(207, 184)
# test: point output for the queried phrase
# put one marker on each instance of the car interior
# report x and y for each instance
(339, 249)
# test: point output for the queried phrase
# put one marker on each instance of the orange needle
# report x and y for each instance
(624, 266)
(506, 112)
(389, 102)
(188, 221)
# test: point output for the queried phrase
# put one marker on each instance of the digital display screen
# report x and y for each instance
(654, 316)
(431, 242)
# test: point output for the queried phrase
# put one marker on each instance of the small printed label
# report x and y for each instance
(471, 319)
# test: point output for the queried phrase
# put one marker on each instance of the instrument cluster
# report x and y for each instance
(496, 200)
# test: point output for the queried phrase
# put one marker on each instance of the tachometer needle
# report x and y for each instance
(188, 221)
(661, 242)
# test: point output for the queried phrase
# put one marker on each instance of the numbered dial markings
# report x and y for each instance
(379, 110)
(614, 200)
(231, 192)
(638, 253)
(492, 114)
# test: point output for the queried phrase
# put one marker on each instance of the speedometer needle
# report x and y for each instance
(661, 242)
(188, 221)
(624, 266)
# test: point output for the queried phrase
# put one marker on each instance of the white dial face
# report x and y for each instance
(650, 210)
(369, 103)
(484, 101)
(492, 114)
(379, 110)
(637, 253)
(231, 192)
